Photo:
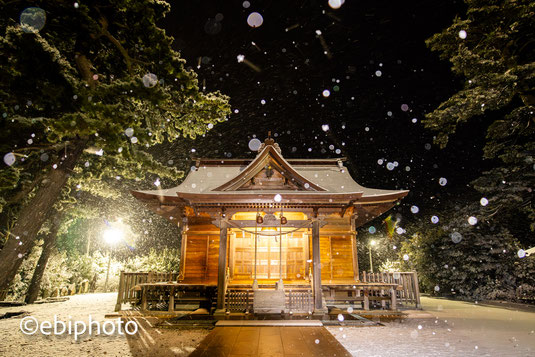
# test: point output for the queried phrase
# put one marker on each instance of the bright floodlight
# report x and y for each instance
(373, 242)
(113, 235)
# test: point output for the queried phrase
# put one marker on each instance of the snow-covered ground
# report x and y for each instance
(148, 340)
(447, 328)
(444, 328)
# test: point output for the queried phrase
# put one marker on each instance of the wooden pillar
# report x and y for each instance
(172, 299)
(183, 247)
(354, 249)
(231, 248)
(120, 294)
(316, 273)
(307, 256)
(416, 290)
(222, 265)
(144, 292)
(393, 301)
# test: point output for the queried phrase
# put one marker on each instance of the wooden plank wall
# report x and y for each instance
(336, 257)
(336, 239)
(202, 252)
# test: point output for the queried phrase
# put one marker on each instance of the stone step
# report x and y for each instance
(225, 323)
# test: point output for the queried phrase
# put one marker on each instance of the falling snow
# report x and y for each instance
(254, 144)
(9, 159)
(32, 19)
(150, 80)
(456, 237)
(255, 19)
(336, 4)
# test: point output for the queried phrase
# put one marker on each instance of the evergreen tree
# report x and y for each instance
(467, 258)
(47, 249)
(493, 51)
(86, 84)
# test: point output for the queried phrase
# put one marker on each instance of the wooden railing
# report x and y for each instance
(300, 300)
(127, 281)
(239, 300)
(409, 295)
(296, 300)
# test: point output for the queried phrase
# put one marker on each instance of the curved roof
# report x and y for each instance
(259, 180)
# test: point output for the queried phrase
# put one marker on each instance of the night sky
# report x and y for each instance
(372, 58)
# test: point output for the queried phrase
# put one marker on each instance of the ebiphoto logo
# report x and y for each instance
(30, 326)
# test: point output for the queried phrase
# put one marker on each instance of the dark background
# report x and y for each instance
(362, 37)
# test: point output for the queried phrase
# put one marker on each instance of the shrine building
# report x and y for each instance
(270, 224)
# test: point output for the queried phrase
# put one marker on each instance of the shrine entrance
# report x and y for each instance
(269, 256)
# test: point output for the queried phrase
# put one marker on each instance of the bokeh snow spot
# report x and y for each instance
(255, 19)
(150, 80)
(254, 144)
(32, 19)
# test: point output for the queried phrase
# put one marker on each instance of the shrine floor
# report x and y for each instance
(270, 341)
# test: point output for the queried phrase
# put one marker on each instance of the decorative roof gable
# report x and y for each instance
(269, 171)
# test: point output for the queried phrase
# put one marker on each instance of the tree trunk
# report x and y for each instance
(31, 217)
(48, 245)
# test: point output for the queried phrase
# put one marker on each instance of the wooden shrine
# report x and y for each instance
(285, 228)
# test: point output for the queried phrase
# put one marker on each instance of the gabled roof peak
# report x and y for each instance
(269, 141)
(269, 170)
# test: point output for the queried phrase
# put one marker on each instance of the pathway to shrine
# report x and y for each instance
(270, 341)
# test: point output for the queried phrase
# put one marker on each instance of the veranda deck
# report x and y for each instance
(386, 288)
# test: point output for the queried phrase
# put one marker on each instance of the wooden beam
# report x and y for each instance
(252, 223)
(318, 304)
(222, 265)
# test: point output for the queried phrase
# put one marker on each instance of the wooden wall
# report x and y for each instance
(337, 251)
(201, 254)
(336, 257)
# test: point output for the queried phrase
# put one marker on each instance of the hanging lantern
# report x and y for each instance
(259, 219)
(284, 220)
